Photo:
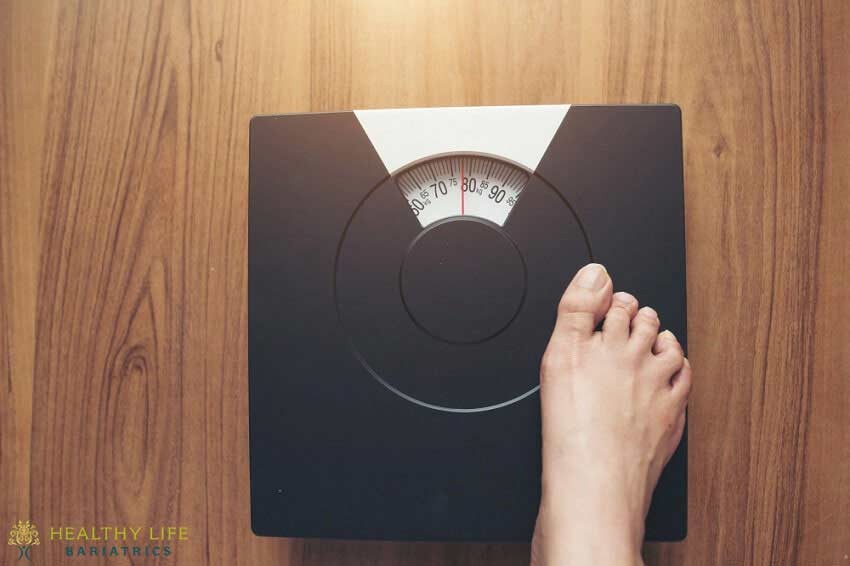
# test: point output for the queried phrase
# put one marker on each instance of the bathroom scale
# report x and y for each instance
(404, 271)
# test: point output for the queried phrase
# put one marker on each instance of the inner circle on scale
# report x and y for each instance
(462, 280)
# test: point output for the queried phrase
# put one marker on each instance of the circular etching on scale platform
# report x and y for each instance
(462, 280)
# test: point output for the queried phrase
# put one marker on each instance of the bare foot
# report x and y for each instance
(613, 405)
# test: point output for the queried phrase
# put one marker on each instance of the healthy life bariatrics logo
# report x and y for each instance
(103, 541)
(24, 536)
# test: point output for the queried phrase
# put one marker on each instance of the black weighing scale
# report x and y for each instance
(404, 272)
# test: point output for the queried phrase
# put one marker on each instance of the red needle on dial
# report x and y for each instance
(461, 186)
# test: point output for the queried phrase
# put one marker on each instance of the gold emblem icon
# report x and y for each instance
(24, 536)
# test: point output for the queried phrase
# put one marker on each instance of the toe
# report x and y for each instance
(668, 352)
(644, 329)
(619, 317)
(584, 302)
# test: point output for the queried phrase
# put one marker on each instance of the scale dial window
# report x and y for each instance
(462, 185)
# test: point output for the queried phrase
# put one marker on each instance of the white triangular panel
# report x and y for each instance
(517, 133)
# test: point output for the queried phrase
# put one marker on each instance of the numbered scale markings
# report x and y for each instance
(462, 185)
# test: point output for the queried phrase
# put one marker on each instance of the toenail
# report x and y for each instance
(623, 299)
(592, 276)
(669, 334)
(650, 312)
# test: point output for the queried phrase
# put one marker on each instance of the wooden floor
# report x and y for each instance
(123, 189)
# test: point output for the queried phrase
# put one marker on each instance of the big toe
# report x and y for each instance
(584, 303)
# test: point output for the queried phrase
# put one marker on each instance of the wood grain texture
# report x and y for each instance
(123, 223)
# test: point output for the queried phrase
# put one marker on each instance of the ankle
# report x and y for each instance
(585, 522)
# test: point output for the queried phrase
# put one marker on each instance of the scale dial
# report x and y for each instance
(462, 185)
